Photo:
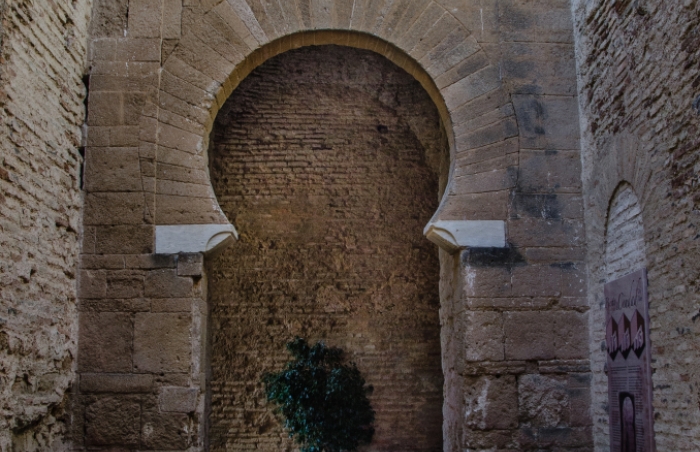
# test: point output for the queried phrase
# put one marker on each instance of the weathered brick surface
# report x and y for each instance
(638, 64)
(319, 158)
(43, 46)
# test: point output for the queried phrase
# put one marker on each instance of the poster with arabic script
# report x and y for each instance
(629, 364)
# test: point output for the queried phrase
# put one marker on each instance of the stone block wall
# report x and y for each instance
(43, 49)
(502, 77)
(142, 327)
(638, 91)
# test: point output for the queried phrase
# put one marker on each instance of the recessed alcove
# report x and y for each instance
(329, 161)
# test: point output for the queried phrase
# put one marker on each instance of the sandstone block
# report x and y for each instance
(124, 135)
(216, 33)
(476, 206)
(536, 281)
(145, 18)
(177, 399)
(547, 205)
(138, 49)
(550, 171)
(546, 335)
(104, 262)
(105, 342)
(239, 17)
(466, 158)
(471, 64)
(113, 421)
(536, 68)
(172, 304)
(547, 122)
(167, 284)
(125, 284)
(487, 282)
(150, 261)
(181, 210)
(109, 19)
(408, 39)
(402, 16)
(112, 169)
(483, 336)
(124, 239)
(172, 19)
(178, 188)
(488, 181)
(93, 284)
(491, 402)
(434, 35)
(471, 87)
(106, 109)
(489, 135)
(199, 55)
(190, 264)
(486, 118)
(165, 431)
(115, 383)
(544, 400)
(531, 232)
(162, 342)
(114, 208)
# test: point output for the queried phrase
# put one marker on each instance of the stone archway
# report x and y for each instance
(159, 92)
(423, 39)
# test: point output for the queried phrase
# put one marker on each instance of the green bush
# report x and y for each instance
(323, 401)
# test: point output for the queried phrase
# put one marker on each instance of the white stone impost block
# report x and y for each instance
(194, 238)
(454, 235)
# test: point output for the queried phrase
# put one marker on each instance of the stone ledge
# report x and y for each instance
(453, 235)
(194, 238)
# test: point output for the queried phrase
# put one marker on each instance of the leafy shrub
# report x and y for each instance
(323, 401)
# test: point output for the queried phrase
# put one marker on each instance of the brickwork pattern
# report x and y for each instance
(316, 158)
(625, 250)
(44, 49)
(638, 65)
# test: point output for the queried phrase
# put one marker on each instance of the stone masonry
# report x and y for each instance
(43, 59)
(574, 124)
(505, 88)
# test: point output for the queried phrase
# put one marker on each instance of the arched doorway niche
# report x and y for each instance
(329, 160)
(455, 72)
(475, 110)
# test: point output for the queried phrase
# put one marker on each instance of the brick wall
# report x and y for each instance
(43, 47)
(638, 87)
(319, 158)
(624, 236)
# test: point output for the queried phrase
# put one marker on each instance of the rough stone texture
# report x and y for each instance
(638, 65)
(43, 47)
(501, 75)
(321, 160)
(141, 338)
